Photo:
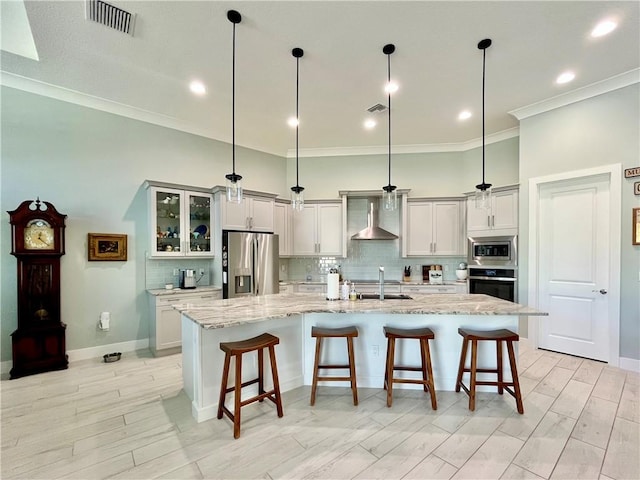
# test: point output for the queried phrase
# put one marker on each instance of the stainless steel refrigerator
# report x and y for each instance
(250, 263)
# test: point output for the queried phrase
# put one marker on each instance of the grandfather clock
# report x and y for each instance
(37, 241)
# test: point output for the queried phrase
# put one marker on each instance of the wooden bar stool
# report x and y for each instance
(347, 332)
(497, 336)
(236, 349)
(423, 335)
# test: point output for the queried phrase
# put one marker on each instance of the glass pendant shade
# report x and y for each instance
(234, 188)
(389, 198)
(483, 196)
(297, 198)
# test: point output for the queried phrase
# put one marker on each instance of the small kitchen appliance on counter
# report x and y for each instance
(187, 278)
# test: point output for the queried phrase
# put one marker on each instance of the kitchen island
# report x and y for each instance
(291, 316)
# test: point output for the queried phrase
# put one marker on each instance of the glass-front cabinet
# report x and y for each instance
(180, 222)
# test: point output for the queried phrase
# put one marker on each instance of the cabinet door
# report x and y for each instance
(198, 221)
(234, 215)
(419, 228)
(282, 226)
(165, 209)
(478, 219)
(329, 235)
(304, 231)
(447, 229)
(504, 210)
(261, 214)
(168, 328)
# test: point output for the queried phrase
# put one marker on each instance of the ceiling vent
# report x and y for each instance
(110, 16)
(377, 108)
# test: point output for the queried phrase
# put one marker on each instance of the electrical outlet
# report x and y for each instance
(375, 350)
(176, 272)
(202, 271)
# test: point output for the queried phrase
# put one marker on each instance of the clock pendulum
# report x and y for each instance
(37, 242)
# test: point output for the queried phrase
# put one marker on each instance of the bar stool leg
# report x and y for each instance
(237, 394)
(474, 365)
(499, 367)
(260, 373)
(314, 384)
(386, 365)
(463, 358)
(352, 370)
(432, 389)
(391, 353)
(276, 381)
(514, 375)
(223, 386)
(423, 354)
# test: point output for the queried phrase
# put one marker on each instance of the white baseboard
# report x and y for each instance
(93, 352)
(629, 364)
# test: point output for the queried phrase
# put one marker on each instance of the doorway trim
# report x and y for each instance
(614, 172)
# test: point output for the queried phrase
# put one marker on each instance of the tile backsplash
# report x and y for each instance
(159, 272)
(364, 256)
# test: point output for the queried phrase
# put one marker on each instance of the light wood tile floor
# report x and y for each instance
(131, 420)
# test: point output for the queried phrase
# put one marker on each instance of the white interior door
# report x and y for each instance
(573, 261)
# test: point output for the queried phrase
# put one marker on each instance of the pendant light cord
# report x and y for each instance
(389, 112)
(233, 103)
(297, 114)
(484, 55)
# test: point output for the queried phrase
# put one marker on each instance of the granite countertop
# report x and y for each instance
(178, 291)
(238, 311)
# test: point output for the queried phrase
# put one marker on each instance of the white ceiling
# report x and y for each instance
(342, 73)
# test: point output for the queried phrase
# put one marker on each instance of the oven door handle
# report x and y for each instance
(499, 279)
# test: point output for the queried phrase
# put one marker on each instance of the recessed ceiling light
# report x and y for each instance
(565, 77)
(369, 124)
(464, 115)
(292, 122)
(197, 87)
(604, 28)
(391, 87)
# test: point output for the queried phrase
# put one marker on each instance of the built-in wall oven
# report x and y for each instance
(493, 266)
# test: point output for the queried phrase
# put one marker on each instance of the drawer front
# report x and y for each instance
(165, 300)
(369, 288)
(303, 288)
(427, 289)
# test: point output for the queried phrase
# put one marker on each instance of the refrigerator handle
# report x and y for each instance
(255, 266)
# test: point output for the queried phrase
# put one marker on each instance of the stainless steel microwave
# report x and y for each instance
(493, 251)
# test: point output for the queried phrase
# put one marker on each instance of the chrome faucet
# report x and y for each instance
(381, 281)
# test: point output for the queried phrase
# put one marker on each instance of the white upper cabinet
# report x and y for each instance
(318, 230)
(500, 219)
(254, 213)
(432, 228)
(180, 221)
(282, 226)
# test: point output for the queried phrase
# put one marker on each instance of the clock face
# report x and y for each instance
(38, 235)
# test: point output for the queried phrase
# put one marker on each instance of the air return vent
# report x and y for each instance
(378, 107)
(110, 16)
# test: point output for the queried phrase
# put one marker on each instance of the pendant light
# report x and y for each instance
(234, 181)
(297, 195)
(483, 190)
(389, 194)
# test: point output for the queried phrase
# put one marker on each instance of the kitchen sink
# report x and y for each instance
(387, 296)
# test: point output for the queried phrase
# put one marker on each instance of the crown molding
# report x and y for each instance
(599, 88)
(400, 149)
(44, 89)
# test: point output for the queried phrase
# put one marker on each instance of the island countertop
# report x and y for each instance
(245, 310)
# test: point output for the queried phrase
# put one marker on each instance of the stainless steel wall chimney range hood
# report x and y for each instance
(373, 230)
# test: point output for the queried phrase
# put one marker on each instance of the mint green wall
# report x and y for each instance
(602, 130)
(426, 174)
(91, 165)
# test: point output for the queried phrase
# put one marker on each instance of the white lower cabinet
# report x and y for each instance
(310, 288)
(286, 288)
(165, 327)
(375, 288)
(428, 289)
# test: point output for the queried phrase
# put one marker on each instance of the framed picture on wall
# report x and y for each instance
(107, 247)
(635, 227)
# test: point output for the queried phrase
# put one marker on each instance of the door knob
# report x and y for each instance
(602, 291)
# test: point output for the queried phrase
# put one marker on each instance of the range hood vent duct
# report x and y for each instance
(373, 231)
(110, 16)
